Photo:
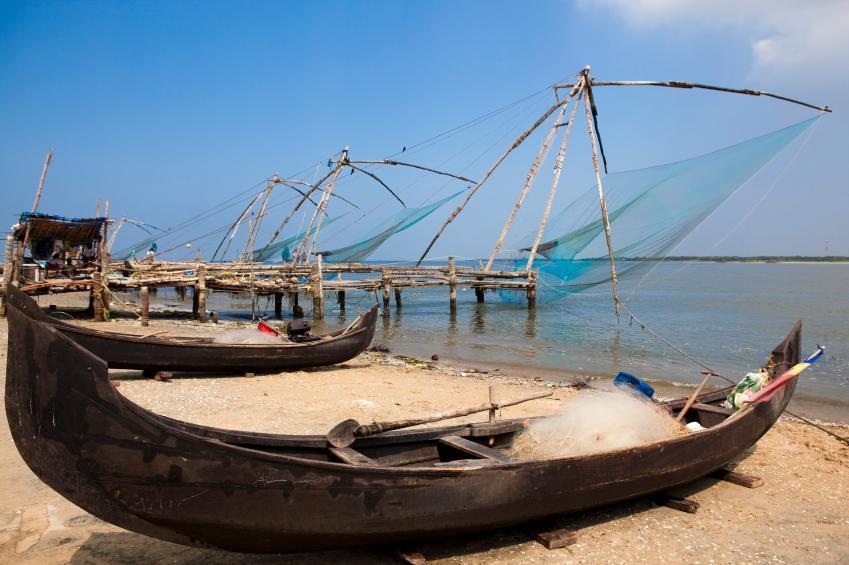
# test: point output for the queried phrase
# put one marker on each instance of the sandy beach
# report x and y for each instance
(797, 516)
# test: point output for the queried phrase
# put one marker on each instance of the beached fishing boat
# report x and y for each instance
(161, 353)
(257, 492)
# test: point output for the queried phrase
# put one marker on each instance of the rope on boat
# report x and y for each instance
(646, 328)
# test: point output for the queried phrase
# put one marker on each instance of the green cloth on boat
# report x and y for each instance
(751, 383)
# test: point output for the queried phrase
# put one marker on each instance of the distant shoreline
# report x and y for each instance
(755, 259)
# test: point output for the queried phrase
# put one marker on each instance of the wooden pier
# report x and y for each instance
(312, 282)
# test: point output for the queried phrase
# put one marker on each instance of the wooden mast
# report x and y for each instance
(558, 167)
(603, 204)
(43, 177)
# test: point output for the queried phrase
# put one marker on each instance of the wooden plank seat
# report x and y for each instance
(475, 449)
(352, 456)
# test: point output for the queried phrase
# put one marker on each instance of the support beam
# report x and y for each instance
(398, 303)
(340, 294)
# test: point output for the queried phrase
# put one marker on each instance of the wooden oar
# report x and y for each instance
(345, 433)
(696, 393)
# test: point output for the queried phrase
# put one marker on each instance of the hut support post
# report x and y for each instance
(317, 289)
(104, 270)
(591, 131)
(7, 269)
(145, 304)
(278, 305)
(452, 285)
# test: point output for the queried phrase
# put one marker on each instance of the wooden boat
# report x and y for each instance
(160, 353)
(256, 492)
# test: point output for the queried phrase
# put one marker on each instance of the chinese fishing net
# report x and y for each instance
(283, 248)
(398, 222)
(650, 211)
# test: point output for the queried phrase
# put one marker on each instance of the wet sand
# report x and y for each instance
(799, 515)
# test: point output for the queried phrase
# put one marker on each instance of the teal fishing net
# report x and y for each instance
(398, 222)
(650, 211)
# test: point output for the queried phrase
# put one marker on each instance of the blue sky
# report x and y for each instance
(168, 108)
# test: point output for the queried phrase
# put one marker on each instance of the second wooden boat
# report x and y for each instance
(160, 353)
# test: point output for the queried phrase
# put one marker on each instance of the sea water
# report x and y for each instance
(729, 315)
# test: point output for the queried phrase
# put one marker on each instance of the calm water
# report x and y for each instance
(728, 315)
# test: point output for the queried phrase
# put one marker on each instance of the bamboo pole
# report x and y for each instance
(616, 305)
(695, 395)
(322, 207)
(524, 135)
(328, 193)
(260, 215)
(558, 167)
(529, 181)
(41, 181)
(691, 85)
(297, 207)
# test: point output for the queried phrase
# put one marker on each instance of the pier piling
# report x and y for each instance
(145, 304)
(452, 285)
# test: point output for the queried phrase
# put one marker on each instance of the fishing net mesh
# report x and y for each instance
(650, 210)
(398, 222)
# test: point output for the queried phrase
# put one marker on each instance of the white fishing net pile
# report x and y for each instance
(247, 336)
(594, 421)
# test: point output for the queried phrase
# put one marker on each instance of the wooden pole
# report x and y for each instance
(486, 176)
(318, 289)
(8, 263)
(696, 393)
(386, 297)
(558, 167)
(340, 294)
(200, 290)
(532, 290)
(278, 305)
(616, 305)
(41, 181)
(529, 181)
(452, 285)
(398, 303)
(104, 269)
(145, 303)
(493, 412)
(97, 295)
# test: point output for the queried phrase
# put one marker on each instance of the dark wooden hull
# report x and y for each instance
(127, 351)
(274, 493)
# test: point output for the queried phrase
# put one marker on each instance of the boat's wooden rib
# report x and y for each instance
(270, 493)
(165, 353)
